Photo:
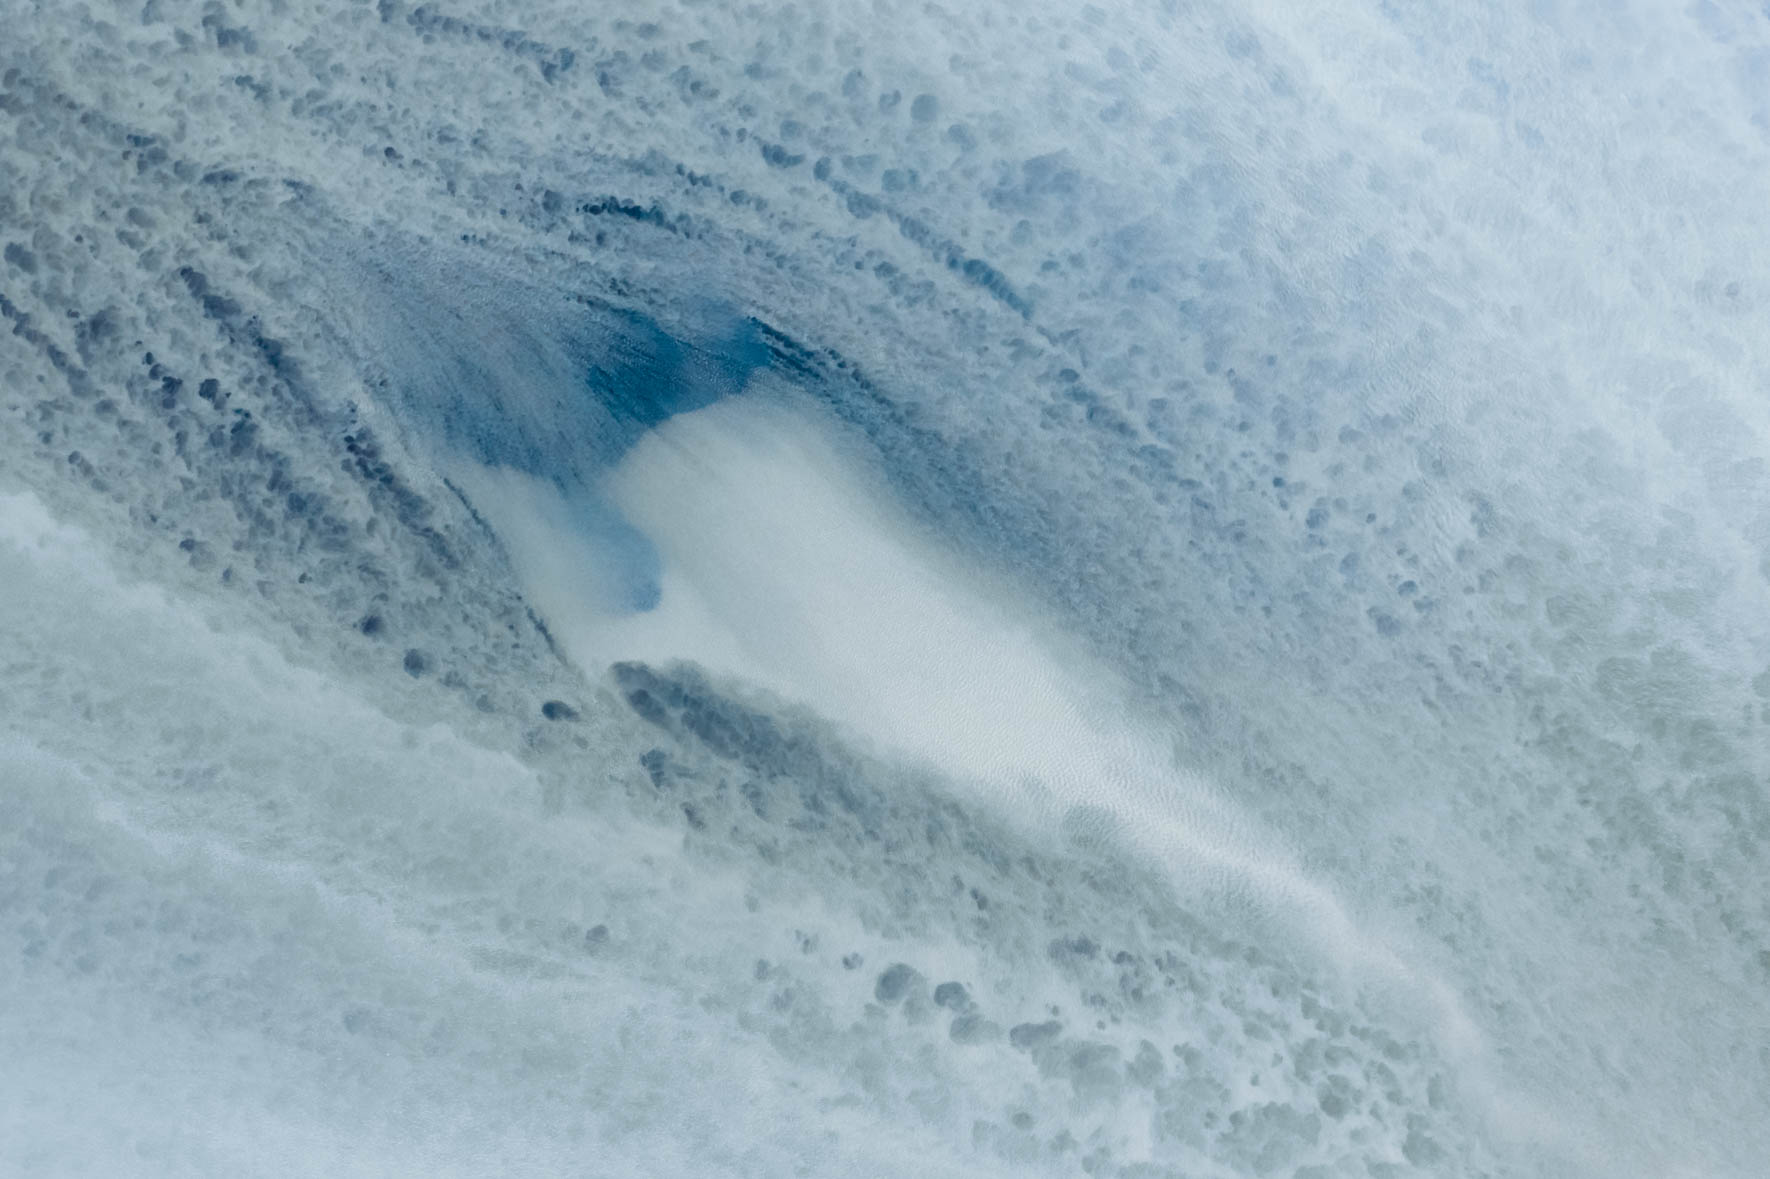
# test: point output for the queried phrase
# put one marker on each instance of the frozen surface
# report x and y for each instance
(878, 589)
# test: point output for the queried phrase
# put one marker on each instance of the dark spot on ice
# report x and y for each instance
(972, 1029)
(1026, 1036)
(653, 761)
(20, 257)
(852, 961)
(895, 983)
(559, 710)
(370, 625)
(647, 707)
(952, 994)
(230, 36)
(776, 156)
(416, 663)
(1078, 946)
(756, 796)
(1147, 1068)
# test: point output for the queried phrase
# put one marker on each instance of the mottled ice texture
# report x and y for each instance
(696, 589)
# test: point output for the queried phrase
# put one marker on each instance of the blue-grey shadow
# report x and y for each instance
(560, 391)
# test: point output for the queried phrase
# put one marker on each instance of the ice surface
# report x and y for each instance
(1143, 589)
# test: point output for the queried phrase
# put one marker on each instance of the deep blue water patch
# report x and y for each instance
(559, 388)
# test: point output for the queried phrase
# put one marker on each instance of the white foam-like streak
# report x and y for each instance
(786, 565)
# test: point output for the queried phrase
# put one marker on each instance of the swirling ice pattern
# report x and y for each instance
(1139, 589)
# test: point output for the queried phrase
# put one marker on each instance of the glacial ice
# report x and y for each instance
(1143, 589)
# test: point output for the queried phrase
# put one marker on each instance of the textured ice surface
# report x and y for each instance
(834, 589)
